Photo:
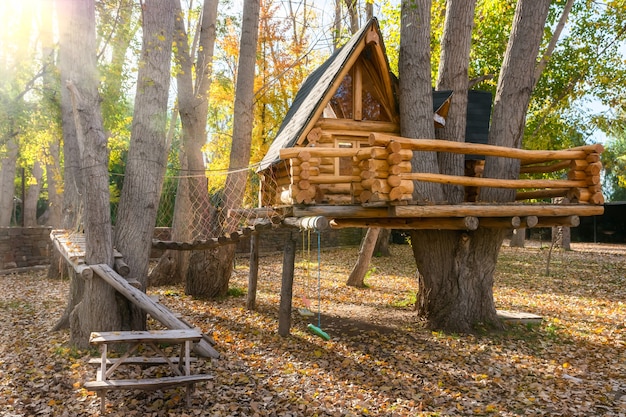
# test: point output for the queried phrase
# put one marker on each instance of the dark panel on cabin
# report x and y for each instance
(478, 117)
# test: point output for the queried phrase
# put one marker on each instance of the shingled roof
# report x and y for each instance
(311, 96)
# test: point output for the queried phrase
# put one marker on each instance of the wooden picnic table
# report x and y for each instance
(180, 366)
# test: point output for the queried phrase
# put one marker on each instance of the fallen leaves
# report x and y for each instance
(380, 360)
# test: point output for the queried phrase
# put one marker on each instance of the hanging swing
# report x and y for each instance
(317, 330)
(306, 257)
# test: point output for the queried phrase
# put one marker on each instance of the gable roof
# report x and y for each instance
(313, 93)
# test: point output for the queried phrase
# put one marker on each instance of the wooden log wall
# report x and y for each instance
(380, 170)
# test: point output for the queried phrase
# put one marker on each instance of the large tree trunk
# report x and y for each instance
(457, 268)
(192, 208)
(98, 310)
(147, 156)
(73, 199)
(357, 275)
(236, 180)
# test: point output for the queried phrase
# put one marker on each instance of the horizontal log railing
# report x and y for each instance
(382, 171)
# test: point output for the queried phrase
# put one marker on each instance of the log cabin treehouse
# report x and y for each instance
(338, 154)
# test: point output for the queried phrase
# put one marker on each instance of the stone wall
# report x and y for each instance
(22, 247)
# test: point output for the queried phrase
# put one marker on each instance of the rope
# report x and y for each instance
(319, 281)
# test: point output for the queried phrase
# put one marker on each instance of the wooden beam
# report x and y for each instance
(495, 210)
(434, 145)
(567, 221)
(360, 126)
(307, 223)
(286, 288)
(253, 273)
(292, 153)
(539, 194)
(492, 182)
(341, 211)
(501, 222)
(540, 169)
(443, 223)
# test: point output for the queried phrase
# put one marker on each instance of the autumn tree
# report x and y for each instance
(94, 306)
(457, 268)
(147, 155)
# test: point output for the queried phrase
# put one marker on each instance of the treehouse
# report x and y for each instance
(338, 154)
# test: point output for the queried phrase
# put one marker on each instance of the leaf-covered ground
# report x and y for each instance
(380, 360)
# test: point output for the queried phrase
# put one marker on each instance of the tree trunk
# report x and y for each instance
(73, 198)
(235, 186)
(147, 157)
(357, 276)
(353, 13)
(382, 244)
(7, 181)
(53, 175)
(29, 206)
(98, 308)
(192, 207)
(457, 268)
(519, 238)
(415, 98)
(212, 265)
(453, 75)
(337, 25)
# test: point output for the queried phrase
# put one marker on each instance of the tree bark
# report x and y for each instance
(519, 238)
(98, 310)
(7, 181)
(29, 207)
(415, 97)
(357, 275)
(220, 261)
(192, 207)
(457, 268)
(453, 75)
(382, 244)
(147, 156)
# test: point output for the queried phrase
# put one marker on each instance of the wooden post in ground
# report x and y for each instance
(253, 275)
(286, 289)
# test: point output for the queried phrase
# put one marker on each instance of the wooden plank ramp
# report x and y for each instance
(156, 310)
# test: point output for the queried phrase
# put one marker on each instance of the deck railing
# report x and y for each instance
(382, 171)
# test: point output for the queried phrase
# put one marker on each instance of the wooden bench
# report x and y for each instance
(180, 366)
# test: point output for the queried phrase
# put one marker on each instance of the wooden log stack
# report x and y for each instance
(589, 170)
(380, 169)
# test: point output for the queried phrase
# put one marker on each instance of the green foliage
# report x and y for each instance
(236, 292)
(614, 162)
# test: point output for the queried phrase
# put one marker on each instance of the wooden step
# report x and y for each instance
(147, 384)
(156, 336)
(140, 360)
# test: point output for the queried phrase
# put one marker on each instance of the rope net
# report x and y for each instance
(208, 205)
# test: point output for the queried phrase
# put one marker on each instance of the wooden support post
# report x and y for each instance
(253, 274)
(286, 289)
